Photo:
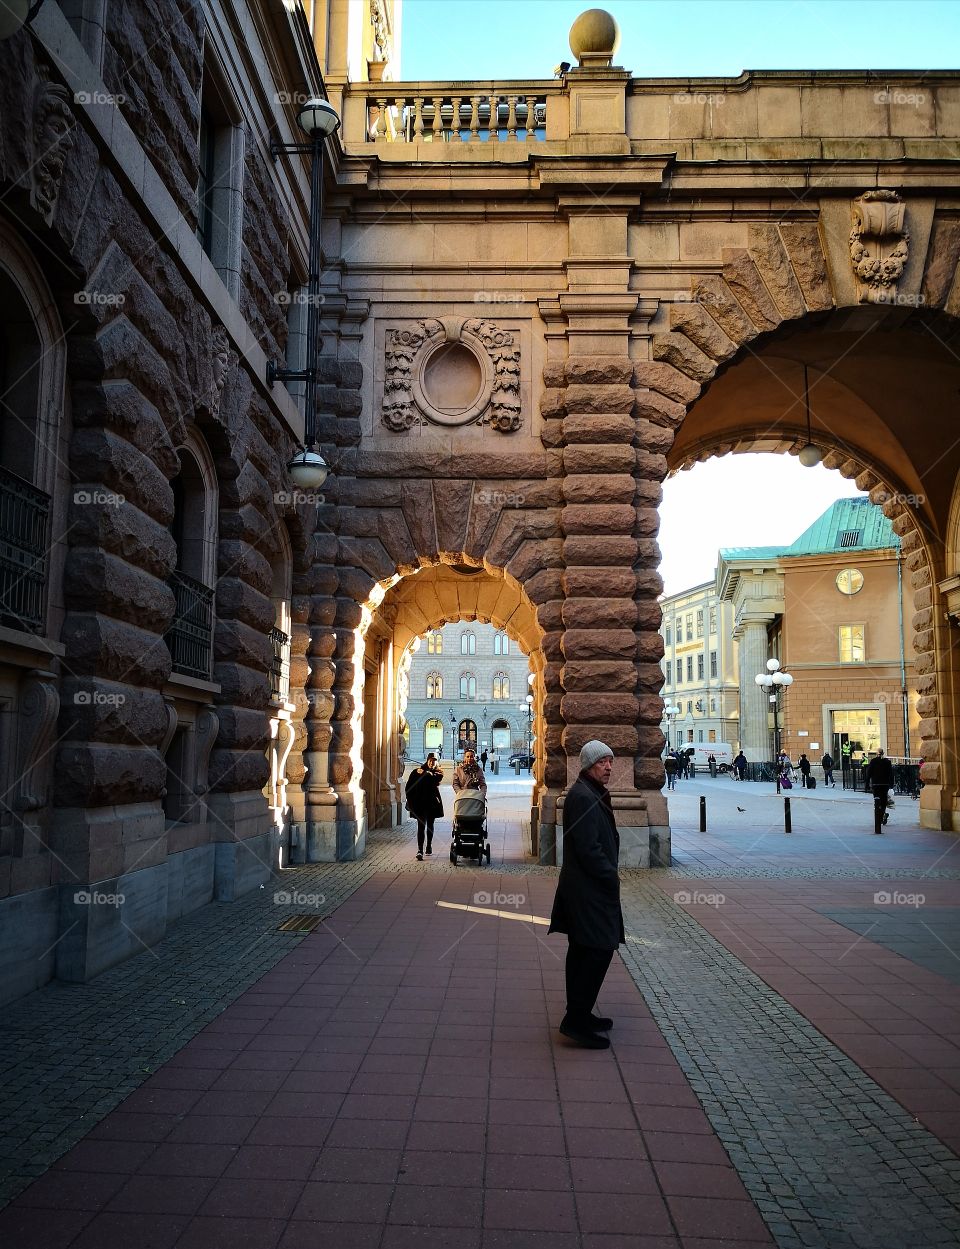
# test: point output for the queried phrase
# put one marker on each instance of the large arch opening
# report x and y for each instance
(880, 385)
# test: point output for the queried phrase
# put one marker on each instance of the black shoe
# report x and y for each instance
(419, 856)
(429, 850)
(600, 1023)
(583, 1036)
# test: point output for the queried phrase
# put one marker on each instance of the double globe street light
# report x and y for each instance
(775, 680)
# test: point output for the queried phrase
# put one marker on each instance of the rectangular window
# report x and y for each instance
(220, 164)
(668, 636)
(689, 735)
(689, 667)
(713, 663)
(851, 644)
(711, 735)
(713, 620)
(668, 666)
(699, 735)
(689, 619)
(699, 624)
(700, 666)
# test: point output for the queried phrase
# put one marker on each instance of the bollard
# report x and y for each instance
(703, 814)
(787, 818)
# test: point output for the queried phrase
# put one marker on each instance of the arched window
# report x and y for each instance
(434, 685)
(282, 624)
(500, 732)
(468, 643)
(468, 685)
(194, 529)
(501, 644)
(467, 735)
(434, 643)
(501, 686)
(432, 735)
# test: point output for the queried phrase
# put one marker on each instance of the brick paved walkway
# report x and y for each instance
(396, 1078)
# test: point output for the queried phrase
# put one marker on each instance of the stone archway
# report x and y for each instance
(884, 396)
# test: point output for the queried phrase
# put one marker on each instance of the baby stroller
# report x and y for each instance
(469, 827)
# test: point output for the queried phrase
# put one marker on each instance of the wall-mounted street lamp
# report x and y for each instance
(529, 732)
(318, 120)
(775, 680)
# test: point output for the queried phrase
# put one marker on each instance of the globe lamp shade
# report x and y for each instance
(810, 456)
(308, 470)
(318, 118)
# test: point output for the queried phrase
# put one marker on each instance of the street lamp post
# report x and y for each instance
(529, 732)
(670, 711)
(453, 736)
(775, 680)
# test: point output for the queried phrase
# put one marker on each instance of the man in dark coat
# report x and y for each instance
(879, 778)
(587, 905)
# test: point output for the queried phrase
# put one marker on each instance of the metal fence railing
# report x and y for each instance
(24, 513)
(190, 636)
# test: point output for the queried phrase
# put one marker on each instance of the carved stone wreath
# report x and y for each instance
(878, 245)
(406, 390)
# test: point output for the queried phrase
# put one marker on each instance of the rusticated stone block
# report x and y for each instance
(923, 640)
(702, 330)
(601, 489)
(95, 580)
(237, 771)
(549, 615)
(545, 586)
(922, 578)
(651, 465)
(124, 530)
(678, 350)
(649, 645)
(770, 257)
(599, 370)
(531, 556)
(648, 552)
(117, 650)
(615, 459)
(646, 524)
(656, 438)
(551, 435)
(550, 646)
(621, 738)
(554, 374)
(929, 729)
(659, 376)
(922, 620)
(744, 280)
(354, 584)
(649, 677)
(236, 558)
(609, 427)
(602, 582)
(649, 493)
(241, 685)
(599, 613)
(593, 552)
(649, 614)
(943, 255)
(598, 674)
(239, 601)
(599, 399)
(649, 709)
(122, 408)
(925, 664)
(93, 774)
(927, 707)
(234, 640)
(648, 773)
(931, 771)
(100, 457)
(658, 410)
(649, 582)
(614, 518)
(716, 298)
(240, 728)
(92, 709)
(553, 403)
(601, 706)
(600, 644)
(802, 241)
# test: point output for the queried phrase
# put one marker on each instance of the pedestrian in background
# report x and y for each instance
(827, 764)
(587, 905)
(670, 767)
(740, 766)
(424, 802)
(879, 778)
(483, 758)
(803, 763)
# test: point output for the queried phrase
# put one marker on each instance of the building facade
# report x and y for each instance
(538, 298)
(467, 687)
(700, 685)
(831, 608)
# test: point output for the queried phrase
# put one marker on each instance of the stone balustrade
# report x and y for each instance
(440, 113)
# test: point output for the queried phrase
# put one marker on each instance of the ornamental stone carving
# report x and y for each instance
(53, 122)
(878, 245)
(220, 361)
(452, 372)
(38, 711)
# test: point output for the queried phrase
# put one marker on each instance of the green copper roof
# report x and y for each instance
(848, 525)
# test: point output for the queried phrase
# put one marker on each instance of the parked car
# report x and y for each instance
(526, 761)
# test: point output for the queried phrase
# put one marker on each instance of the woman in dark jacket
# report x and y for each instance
(423, 800)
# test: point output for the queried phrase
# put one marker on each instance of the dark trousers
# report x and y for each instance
(828, 777)
(880, 795)
(424, 825)
(586, 968)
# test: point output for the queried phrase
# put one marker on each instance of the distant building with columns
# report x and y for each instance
(830, 607)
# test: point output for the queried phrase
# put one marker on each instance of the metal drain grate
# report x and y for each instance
(299, 923)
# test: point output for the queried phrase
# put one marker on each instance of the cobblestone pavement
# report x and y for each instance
(820, 1124)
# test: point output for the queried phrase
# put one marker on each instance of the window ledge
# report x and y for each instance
(190, 687)
(27, 649)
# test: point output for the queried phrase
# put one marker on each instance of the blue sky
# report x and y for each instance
(680, 38)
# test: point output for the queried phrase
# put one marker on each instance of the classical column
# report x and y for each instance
(755, 740)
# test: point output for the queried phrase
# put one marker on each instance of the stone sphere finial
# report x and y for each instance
(594, 37)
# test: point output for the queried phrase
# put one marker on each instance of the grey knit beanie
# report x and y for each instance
(592, 753)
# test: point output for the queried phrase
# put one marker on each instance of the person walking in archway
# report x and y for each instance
(424, 802)
(670, 767)
(468, 774)
(879, 778)
(587, 904)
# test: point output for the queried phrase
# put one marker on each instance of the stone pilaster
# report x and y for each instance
(755, 742)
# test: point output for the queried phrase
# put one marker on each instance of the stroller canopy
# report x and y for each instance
(469, 804)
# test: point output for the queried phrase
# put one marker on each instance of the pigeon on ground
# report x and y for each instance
(741, 809)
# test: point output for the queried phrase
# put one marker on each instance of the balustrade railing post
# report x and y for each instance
(511, 117)
(418, 119)
(474, 118)
(437, 119)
